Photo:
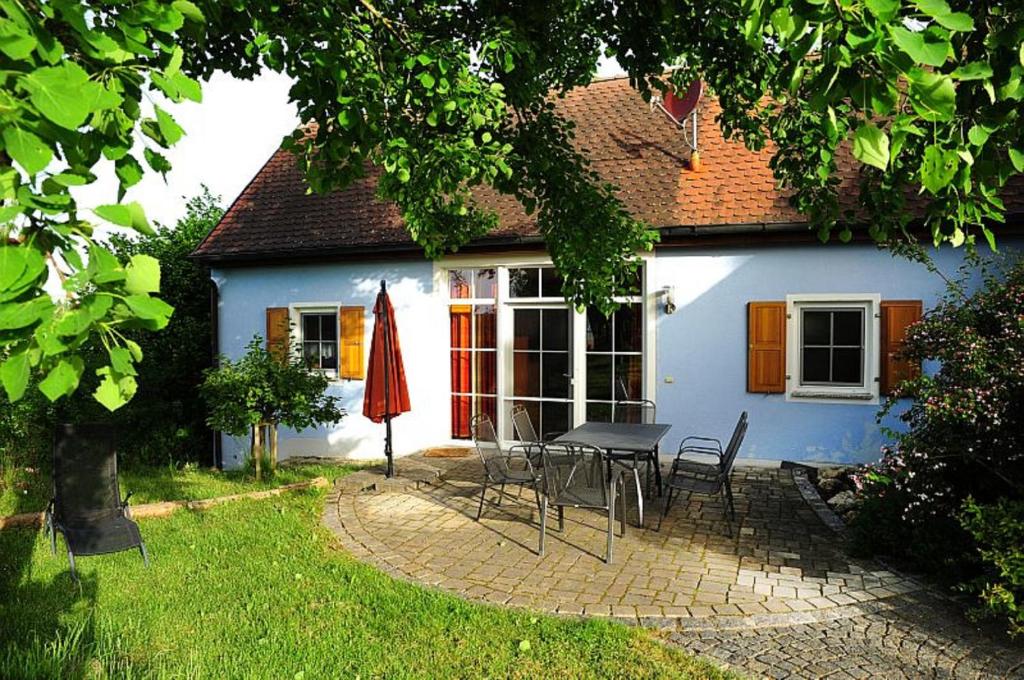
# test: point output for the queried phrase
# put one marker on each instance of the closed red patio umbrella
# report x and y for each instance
(386, 395)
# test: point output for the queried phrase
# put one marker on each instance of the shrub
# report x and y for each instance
(941, 496)
(262, 390)
(998, 531)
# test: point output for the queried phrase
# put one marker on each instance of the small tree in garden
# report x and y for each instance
(950, 493)
(260, 392)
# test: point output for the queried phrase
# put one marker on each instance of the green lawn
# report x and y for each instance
(257, 589)
(28, 490)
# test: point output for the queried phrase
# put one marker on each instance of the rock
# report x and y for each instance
(843, 502)
(830, 473)
(831, 486)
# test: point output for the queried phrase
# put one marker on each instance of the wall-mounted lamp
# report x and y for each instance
(669, 293)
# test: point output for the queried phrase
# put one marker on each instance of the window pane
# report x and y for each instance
(328, 355)
(310, 327)
(847, 327)
(311, 354)
(527, 329)
(846, 366)
(461, 377)
(550, 282)
(486, 372)
(599, 377)
(556, 329)
(328, 327)
(817, 327)
(526, 374)
(598, 412)
(523, 282)
(599, 331)
(488, 405)
(555, 382)
(628, 327)
(629, 372)
(815, 365)
(486, 326)
(459, 320)
(459, 283)
(533, 409)
(461, 414)
(486, 283)
(555, 416)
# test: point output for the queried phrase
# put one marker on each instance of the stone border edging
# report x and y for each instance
(810, 494)
(34, 520)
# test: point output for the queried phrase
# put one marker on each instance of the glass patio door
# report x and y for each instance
(542, 365)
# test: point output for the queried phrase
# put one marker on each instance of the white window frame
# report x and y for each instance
(295, 312)
(866, 393)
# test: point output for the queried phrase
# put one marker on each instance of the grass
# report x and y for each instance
(28, 489)
(256, 589)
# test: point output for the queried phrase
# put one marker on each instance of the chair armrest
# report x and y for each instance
(551, 436)
(124, 503)
(701, 450)
(521, 451)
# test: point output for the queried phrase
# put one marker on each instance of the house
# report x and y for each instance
(740, 307)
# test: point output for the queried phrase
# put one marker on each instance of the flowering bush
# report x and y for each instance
(963, 437)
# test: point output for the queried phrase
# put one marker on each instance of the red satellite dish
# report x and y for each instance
(681, 107)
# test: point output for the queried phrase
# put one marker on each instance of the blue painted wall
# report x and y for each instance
(702, 348)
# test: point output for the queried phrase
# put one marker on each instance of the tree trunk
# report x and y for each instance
(272, 428)
(257, 447)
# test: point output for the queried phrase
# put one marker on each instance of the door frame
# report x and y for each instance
(502, 262)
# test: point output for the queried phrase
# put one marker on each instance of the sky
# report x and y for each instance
(228, 138)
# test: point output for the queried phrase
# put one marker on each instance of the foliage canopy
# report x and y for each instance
(443, 97)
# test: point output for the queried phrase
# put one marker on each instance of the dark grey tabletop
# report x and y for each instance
(637, 437)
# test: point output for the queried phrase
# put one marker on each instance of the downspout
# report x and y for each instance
(218, 452)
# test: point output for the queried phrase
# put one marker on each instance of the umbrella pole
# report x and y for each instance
(387, 384)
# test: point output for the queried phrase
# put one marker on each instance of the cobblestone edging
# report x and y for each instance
(817, 503)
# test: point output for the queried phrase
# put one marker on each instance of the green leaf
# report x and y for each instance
(62, 379)
(126, 215)
(932, 95)
(170, 129)
(129, 171)
(883, 9)
(189, 10)
(1017, 158)
(871, 146)
(115, 390)
(27, 149)
(73, 322)
(426, 80)
(150, 309)
(922, 47)
(14, 374)
(978, 135)
(187, 87)
(143, 274)
(938, 167)
(524, 645)
(63, 94)
(976, 70)
(15, 42)
(68, 179)
(157, 161)
(121, 360)
(15, 315)
(20, 268)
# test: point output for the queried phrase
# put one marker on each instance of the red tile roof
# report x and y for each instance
(631, 146)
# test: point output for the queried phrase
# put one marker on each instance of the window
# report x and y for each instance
(474, 347)
(614, 359)
(320, 340)
(534, 282)
(832, 347)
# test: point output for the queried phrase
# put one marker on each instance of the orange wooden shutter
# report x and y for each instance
(277, 332)
(350, 319)
(897, 316)
(766, 347)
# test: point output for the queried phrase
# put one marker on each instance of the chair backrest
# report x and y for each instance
(85, 484)
(485, 440)
(525, 431)
(576, 468)
(735, 442)
(634, 411)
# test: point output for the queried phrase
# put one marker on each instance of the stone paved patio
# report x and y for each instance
(758, 601)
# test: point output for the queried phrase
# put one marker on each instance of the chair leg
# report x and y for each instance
(664, 509)
(501, 492)
(536, 494)
(622, 509)
(51, 533)
(732, 504)
(725, 511)
(543, 524)
(611, 523)
(483, 492)
(561, 519)
(145, 555)
(71, 561)
(639, 499)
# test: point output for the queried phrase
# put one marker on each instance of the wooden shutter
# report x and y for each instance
(277, 332)
(350, 321)
(897, 316)
(766, 347)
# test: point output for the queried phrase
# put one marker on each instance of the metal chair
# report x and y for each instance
(710, 478)
(637, 411)
(86, 507)
(499, 465)
(574, 477)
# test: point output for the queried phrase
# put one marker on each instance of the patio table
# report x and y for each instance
(638, 439)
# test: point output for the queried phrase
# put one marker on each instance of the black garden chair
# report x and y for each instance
(501, 467)
(86, 507)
